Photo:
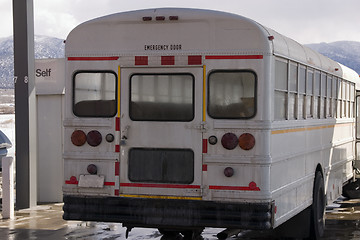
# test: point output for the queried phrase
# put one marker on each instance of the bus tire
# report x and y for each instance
(352, 190)
(317, 220)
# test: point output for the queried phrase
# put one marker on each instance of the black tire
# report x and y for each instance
(318, 208)
(192, 234)
(352, 190)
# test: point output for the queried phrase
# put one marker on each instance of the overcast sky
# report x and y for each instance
(306, 21)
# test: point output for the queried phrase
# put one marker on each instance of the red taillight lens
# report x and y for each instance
(246, 141)
(92, 169)
(78, 138)
(94, 138)
(174, 18)
(160, 18)
(229, 172)
(145, 19)
(229, 141)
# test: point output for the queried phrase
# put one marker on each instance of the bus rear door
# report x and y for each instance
(161, 132)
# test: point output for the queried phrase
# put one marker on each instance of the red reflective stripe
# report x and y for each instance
(117, 124)
(117, 192)
(117, 148)
(234, 188)
(109, 183)
(205, 145)
(117, 168)
(235, 57)
(157, 185)
(77, 182)
(72, 182)
(167, 60)
(195, 60)
(204, 167)
(92, 58)
(141, 60)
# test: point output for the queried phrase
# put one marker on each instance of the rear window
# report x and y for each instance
(161, 165)
(94, 94)
(162, 97)
(232, 94)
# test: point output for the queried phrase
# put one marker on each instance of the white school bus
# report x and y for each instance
(182, 119)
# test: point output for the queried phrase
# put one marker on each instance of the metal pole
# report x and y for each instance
(25, 104)
(8, 188)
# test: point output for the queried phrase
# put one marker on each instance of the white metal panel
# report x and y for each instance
(196, 31)
(50, 138)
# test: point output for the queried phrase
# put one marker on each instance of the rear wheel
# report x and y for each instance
(192, 234)
(170, 234)
(318, 208)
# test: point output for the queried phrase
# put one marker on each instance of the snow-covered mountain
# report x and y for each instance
(345, 52)
(45, 47)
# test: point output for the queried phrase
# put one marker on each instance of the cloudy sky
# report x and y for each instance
(306, 21)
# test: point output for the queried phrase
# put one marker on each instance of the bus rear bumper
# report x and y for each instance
(169, 213)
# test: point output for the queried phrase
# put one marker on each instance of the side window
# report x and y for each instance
(302, 92)
(293, 85)
(281, 86)
(162, 97)
(309, 93)
(317, 94)
(232, 94)
(94, 94)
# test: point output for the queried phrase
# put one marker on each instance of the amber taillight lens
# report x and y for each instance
(94, 138)
(78, 138)
(246, 141)
(229, 141)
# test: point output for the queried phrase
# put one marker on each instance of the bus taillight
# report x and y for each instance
(229, 141)
(78, 138)
(92, 169)
(94, 138)
(246, 141)
(229, 172)
(213, 140)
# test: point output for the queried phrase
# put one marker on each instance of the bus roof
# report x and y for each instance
(152, 31)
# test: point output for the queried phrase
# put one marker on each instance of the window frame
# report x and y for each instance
(162, 74)
(233, 71)
(115, 93)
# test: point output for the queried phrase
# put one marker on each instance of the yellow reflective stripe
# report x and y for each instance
(118, 95)
(160, 197)
(308, 128)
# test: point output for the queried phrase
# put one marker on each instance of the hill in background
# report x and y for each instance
(45, 47)
(344, 52)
